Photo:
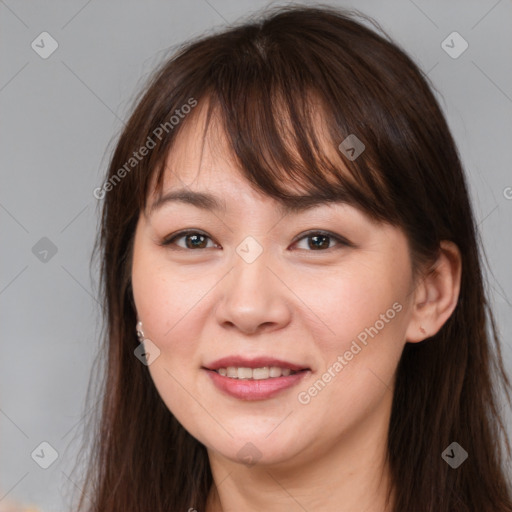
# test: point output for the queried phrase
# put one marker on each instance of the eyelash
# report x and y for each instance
(342, 242)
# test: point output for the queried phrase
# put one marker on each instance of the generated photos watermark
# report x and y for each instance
(144, 150)
(304, 397)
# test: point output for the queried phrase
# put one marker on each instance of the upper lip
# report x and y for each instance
(256, 362)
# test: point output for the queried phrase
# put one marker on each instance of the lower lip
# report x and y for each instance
(248, 389)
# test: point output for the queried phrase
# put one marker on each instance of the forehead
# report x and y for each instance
(242, 158)
(213, 183)
(201, 162)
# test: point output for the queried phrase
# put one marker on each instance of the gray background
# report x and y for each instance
(60, 117)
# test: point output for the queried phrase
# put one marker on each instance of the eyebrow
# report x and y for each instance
(209, 202)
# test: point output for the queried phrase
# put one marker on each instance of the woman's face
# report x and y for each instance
(252, 282)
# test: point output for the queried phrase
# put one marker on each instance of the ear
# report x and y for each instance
(436, 294)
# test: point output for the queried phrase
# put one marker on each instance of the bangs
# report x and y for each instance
(302, 122)
(285, 124)
(287, 147)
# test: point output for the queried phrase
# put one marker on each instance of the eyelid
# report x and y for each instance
(341, 241)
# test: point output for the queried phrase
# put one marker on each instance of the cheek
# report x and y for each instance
(351, 301)
(365, 321)
(359, 363)
(165, 304)
(163, 295)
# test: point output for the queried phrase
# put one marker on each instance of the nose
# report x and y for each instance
(254, 298)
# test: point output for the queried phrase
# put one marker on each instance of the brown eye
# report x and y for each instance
(321, 241)
(192, 240)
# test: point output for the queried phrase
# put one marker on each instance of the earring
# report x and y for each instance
(140, 332)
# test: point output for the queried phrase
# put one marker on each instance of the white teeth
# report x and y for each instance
(275, 371)
(255, 374)
(259, 373)
(244, 373)
(232, 372)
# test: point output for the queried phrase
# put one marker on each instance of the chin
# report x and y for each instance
(256, 449)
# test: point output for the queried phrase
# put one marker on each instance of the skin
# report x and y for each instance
(294, 303)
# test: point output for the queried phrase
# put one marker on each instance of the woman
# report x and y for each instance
(292, 286)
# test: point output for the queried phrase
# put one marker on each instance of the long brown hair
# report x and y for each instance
(295, 63)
